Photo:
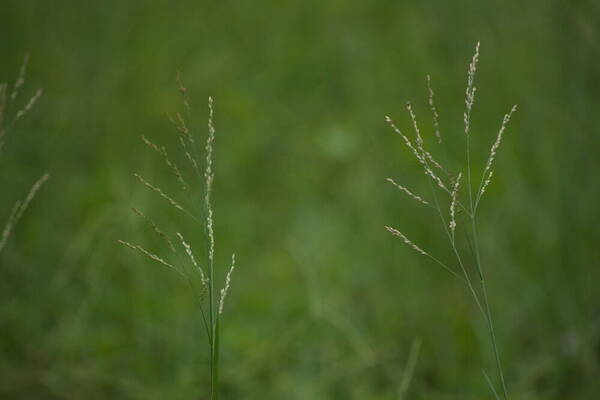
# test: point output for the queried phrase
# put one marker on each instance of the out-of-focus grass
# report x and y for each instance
(303, 151)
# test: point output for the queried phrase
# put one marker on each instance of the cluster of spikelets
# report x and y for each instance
(200, 279)
(9, 97)
(450, 184)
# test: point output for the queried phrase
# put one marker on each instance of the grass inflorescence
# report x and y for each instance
(451, 185)
(10, 114)
(201, 279)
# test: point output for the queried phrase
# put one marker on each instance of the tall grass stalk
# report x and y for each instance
(202, 284)
(451, 188)
(10, 114)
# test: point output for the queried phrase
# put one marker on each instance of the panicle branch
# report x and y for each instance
(190, 254)
(19, 208)
(183, 91)
(436, 118)
(29, 104)
(405, 190)
(488, 171)
(21, 79)
(227, 283)
(418, 155)
(191, 159)
(471, 89)
(164, 196)
(486, 183)
(396, 232)
(453, 205)
(155, 228)
(181, 126)
(209, 177)
(172, 166)
(420, 146)
(152, 256)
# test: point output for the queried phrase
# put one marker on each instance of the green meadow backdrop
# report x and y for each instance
(324, 303)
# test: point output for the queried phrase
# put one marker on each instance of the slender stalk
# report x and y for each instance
(204, 321)
(488, 313)
(489, 382)
(214, 319)
(215, 362)
(214, 341)
(486, 310)
(469, 174)
(409, 371)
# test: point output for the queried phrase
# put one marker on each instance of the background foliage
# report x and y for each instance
(325, 304)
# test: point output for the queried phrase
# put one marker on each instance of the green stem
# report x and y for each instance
(214, 351)
(215, 363)
(469, 189)
(488, 313)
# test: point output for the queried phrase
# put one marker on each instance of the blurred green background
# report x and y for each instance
(325, 304)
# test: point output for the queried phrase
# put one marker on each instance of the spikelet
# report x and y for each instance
(19, 208)
(405, 190)
(453, 204)
(486, 183)
(180, 125)
(183, 91)
(227, 283)
(436, 117)
(151, 145)
(471, 89)
(151, 256)
(396, 232)
(190, 254)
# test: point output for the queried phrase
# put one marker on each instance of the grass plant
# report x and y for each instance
(460, 204)
(10, 114)
(201, 279)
